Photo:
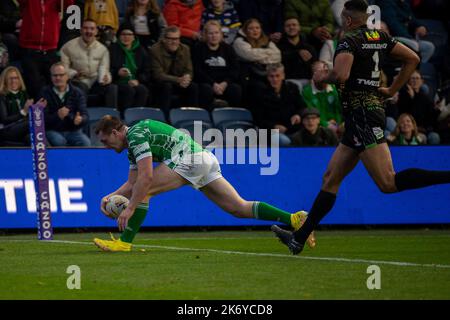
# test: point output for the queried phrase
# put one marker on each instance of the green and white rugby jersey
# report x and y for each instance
(159, 140)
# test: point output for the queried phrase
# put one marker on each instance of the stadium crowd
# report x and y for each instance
(262, 55)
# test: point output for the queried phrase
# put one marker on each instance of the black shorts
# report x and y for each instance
(364, 128)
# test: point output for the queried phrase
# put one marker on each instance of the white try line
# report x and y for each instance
(277, 255)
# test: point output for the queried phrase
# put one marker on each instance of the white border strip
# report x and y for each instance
(277, 255)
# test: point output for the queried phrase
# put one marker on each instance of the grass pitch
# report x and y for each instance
(415, 264)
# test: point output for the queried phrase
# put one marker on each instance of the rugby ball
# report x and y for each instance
(115, 205)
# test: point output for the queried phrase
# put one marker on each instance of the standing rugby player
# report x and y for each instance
(356, 69)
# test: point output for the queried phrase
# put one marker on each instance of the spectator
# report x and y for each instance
(216, 68)
(187, 16)
(172, 71)
(224, 12)
(406, 132)
(316, 17)
(312, 133)
(66, 113)
(268, 12)
(400, 19)
(414, 101)
(297, 54)
(324, 97)
(147, 20)
(88, 65)
(10, 23)
(130, 69)
(14, 105)
(279, 107)
(38, 40)
(106, 15)
(255, 51)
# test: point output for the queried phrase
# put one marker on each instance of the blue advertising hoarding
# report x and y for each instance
(80, 177)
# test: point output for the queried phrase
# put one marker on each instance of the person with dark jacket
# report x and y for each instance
(312, 133)
(216, 68)
(14, 105)
(66, 112)
(130, 68)
(296, 54)
(172, 71)
(279, 107)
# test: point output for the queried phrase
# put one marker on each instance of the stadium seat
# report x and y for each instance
(232, 118)
(133, 115)
(185, 117)
(95, 114)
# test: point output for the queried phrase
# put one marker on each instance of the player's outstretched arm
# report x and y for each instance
(139, 192)
(410, 61)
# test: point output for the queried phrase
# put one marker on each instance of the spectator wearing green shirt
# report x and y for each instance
(323, 97)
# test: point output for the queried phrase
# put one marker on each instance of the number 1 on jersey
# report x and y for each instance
(376, 71)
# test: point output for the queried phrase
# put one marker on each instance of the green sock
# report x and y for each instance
(264, 211)
(134, 223)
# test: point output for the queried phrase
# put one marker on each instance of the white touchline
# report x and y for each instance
(278, 255)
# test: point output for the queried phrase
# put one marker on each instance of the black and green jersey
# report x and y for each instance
(369, 49)
(362, 105)
(150, 138)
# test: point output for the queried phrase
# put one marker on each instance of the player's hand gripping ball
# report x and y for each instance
(115, 205)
